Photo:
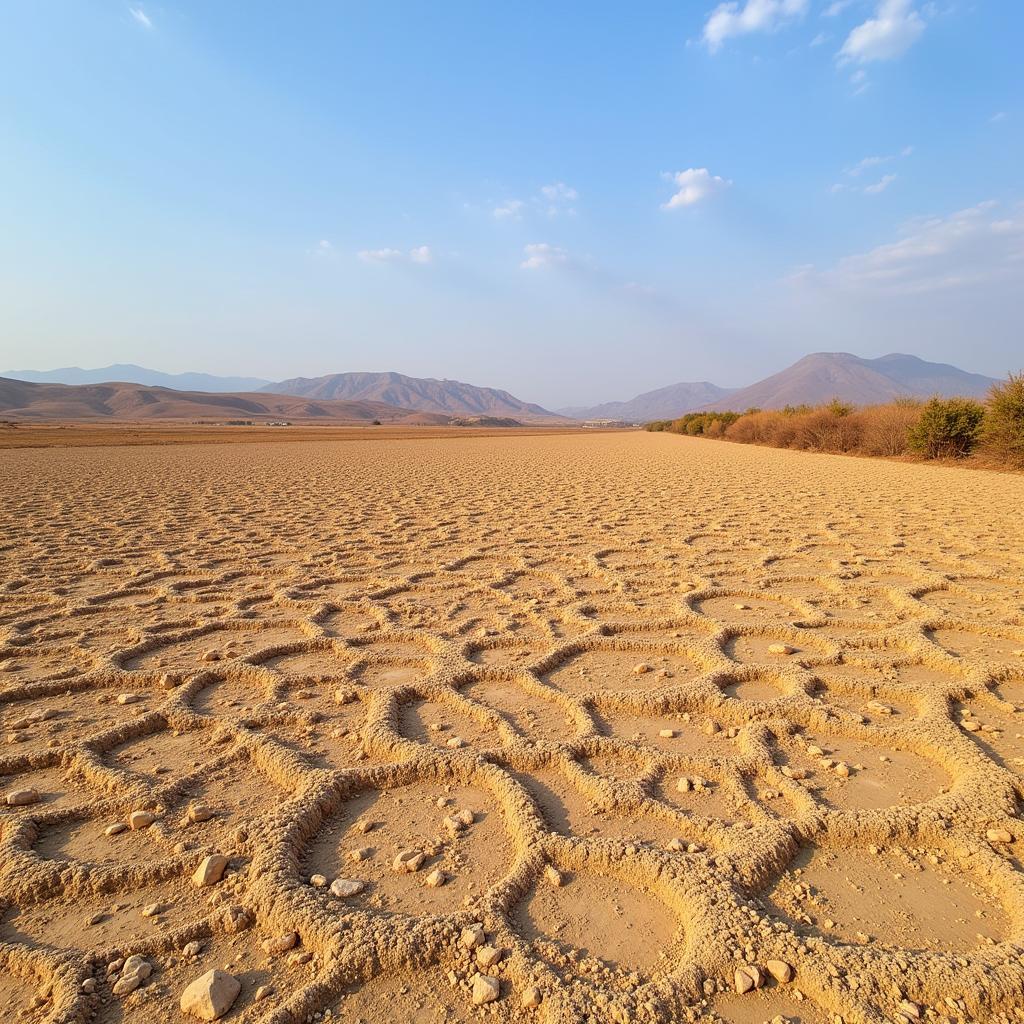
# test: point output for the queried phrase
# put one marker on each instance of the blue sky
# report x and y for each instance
(576, 202)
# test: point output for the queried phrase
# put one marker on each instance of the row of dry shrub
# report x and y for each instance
(938, 428)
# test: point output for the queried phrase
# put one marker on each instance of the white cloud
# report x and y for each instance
(420, 254)
(140, 16)
(894, 28)
(511, 209)
(968, 248)
(821, 37)
(736, 19)
(559, 192)
(879, 186)
(693, 186)
(836, 7)
(380, 255)
(538, 255)
(997, 117)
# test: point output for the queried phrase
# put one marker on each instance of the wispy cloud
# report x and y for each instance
(552, 200)
(836, 8)
(895, 27)
(967, 248)
(510, 209)
(736, 19)
(879, 186)
(420, 254)
(140, 16)
(869, 163)
(693, 186)
(539, 255)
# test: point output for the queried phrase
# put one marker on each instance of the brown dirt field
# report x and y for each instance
(654, 712)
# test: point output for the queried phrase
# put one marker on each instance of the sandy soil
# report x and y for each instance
(666, 719)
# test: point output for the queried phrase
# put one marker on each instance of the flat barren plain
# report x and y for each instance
(570, 728)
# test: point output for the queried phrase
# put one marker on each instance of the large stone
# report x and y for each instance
(22, 797)
(344, 887)
(210, 996)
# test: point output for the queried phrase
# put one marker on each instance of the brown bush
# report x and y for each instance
(885, 429)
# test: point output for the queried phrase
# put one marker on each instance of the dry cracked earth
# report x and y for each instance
(611, 727)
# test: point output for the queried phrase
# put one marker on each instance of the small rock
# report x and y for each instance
(780, 971)
(210, 996)
(436, 878)
(641, 669)
(781, 649)
(210, 871)
(199, 812)
(262, 992)
(742, 980)
(999, 835)
(116, 829)
(472, 936)
(531, 997)
(552, 875)
(152, 910)
(140, 819)
(485, 989)
(125, 985)
(667, 734)
(193, 948)
(127, 698)
(345, 887)
(408, 861)
(319, 881)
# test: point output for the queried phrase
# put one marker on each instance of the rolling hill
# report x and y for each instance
(132, 374)
(23, 400)
(662, 404)
(446, 397)
(822, 376)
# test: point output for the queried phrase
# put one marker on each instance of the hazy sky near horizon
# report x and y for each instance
(573, 202)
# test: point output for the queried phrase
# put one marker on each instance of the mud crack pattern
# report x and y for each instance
(649, 708)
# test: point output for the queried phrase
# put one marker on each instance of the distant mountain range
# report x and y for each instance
(24, 400)
(662, 404)
(132, 374)
(448, 397)
(822, 376)
(394, 397)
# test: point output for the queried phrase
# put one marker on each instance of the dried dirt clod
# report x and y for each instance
(262, 992)
(436, 879)
(552, 875)
(999, 836)
(531, 997)
(355, 856)
(140, 819)
(345, 887)
(487, 956)
(780, 971)
(781, 649)
(472, 936)
(210, 871)
(211, 996)
(641, 669)
(910, 1010)
(280, 943)
(22, 797)
(116, 829)
(485, 989)
(318, 881)
(455, 743)
(408, 861)
(667, 734)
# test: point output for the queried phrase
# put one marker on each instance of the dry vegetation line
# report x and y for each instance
(612, 728)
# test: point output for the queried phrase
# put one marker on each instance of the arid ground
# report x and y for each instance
(610, 727)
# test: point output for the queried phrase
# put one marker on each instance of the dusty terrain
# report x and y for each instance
(613, 727)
